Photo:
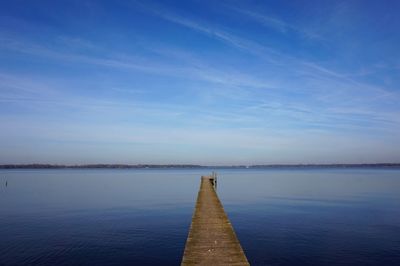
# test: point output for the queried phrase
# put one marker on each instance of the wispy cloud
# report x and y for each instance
(275, 23)
(197, 69)
(191, 69)
(266, 53)
(214, 32)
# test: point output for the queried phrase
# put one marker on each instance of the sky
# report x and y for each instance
(199, 82)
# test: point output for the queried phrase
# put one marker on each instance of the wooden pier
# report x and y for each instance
(211, 240)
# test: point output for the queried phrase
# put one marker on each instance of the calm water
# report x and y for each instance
(142, 217)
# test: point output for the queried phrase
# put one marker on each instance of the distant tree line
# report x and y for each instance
(185, 166)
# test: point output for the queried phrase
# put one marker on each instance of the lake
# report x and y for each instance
(141, 217)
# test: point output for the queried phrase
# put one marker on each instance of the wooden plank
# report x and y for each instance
(211, 240)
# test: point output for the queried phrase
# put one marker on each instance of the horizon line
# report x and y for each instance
(143, 166)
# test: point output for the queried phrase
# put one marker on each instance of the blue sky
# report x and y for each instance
(205, 82)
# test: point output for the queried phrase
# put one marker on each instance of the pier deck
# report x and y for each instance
(211, 240)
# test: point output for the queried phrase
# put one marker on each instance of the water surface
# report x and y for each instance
(142, 217)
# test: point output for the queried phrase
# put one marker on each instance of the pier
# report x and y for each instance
(211, 239)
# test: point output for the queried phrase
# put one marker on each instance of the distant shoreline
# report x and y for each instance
(190, 166)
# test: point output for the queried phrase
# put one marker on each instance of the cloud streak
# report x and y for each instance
(275, 23)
